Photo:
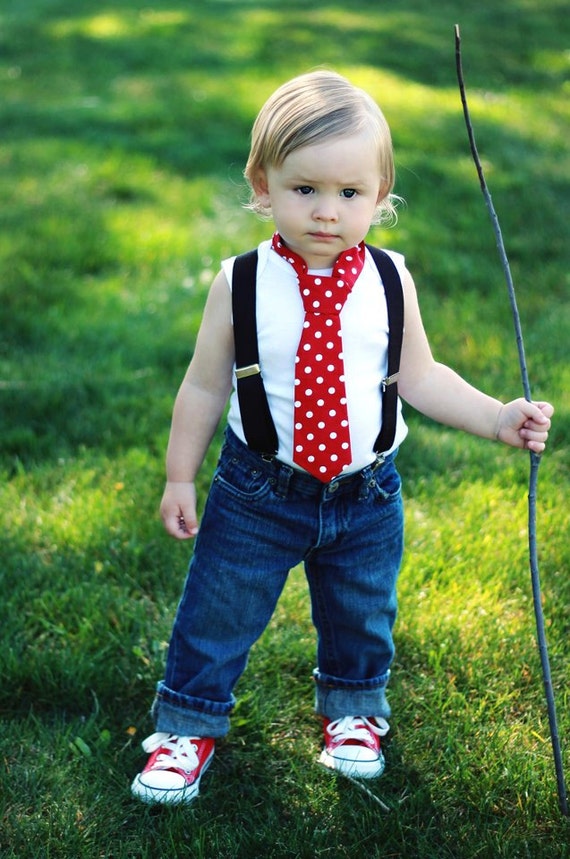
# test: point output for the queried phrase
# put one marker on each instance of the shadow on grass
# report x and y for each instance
(307, 811)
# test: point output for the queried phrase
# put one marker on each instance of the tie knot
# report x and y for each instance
(324, 293)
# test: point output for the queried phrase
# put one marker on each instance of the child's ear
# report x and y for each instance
(261, 188)
(381, 196)
(383, 192)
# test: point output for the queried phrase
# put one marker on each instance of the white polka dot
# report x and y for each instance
(318, 281)
(309, 392)
(334, 457)
(322, 469)
(306, 292)
(340, 283)
(320, 402)
(321, 424)
(332, 412)
(318, 357)
(318, 334)
(334, 435)
(310, 436)
(306, 347)
(309, 415)
(308, 369)
(345, 445)
(332, 390)
(322, 447)
(320, 380)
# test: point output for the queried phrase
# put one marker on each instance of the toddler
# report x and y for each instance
(307, 470)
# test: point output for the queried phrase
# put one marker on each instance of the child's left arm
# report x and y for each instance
(441, 394)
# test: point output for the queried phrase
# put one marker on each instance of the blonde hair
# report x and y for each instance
(311, 108)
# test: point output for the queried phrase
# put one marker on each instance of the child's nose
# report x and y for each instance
(325, 210)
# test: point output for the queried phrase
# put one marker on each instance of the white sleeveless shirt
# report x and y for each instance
(364, 322)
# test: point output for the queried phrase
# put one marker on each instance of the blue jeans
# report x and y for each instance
(261, 519)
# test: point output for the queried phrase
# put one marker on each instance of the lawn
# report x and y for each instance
(124, 133)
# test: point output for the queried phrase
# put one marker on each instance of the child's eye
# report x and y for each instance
(305, 190)
(348, 193)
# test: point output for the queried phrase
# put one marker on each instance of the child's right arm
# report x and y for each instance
(198, 408)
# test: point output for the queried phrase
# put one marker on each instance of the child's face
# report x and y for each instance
(324, 196)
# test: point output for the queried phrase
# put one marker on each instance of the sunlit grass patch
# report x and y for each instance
(109, 25)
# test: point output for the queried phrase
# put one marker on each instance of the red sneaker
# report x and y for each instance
(174, 769)
(352, 746)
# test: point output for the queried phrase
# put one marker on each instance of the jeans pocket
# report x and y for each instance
(242, 480)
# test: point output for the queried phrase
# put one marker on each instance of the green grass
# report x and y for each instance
(124, 133)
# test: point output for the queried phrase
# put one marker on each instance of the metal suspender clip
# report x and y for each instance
(250, 370)
(389, 380)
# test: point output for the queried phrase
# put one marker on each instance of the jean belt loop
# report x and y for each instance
(284, 475)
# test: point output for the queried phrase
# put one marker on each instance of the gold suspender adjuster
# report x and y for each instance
(389, 380)
(250, 370)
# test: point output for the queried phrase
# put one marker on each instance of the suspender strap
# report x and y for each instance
(257, 422)
(395, 305)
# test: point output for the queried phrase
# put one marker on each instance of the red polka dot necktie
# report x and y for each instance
(321, 437)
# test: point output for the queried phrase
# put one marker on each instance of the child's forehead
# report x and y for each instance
(351, 155)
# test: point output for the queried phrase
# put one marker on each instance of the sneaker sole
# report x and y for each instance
(354, 769)
(168, 796)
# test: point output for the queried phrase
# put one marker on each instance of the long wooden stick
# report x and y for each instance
(534, 458)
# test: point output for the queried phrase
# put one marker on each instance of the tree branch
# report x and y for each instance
(534, 458)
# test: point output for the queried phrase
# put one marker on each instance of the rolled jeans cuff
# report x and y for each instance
(336, 698)
(190, 717)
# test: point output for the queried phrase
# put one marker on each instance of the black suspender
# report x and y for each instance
(257, 422)
(256, 418)
(395, 305)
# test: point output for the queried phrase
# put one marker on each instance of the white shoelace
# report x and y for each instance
(180, 752)
(357, 728)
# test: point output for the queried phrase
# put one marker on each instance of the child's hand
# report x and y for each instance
(178, 510)
(524, 424)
